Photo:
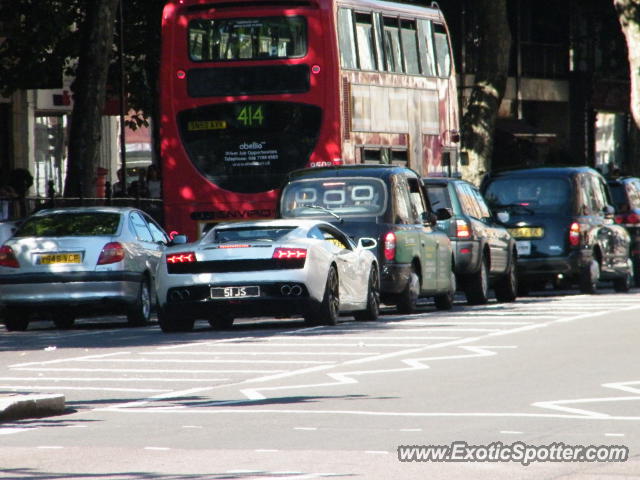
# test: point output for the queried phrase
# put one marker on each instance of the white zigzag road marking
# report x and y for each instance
(345, 378)
(559, 405)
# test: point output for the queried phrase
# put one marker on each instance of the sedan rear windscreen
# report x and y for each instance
(69, 224)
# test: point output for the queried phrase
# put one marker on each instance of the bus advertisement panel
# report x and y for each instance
(250, 91)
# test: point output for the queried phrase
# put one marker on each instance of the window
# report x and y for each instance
(468, 201)
(70, 224)
(403, 211)
(140, 228)
(417, 200)
(247, 234)
(482, 206)
(392, 49)
(156, 232)
(346, 40)
(425, 43)
(334, 238)
(247, 38)
(410, 46)
(366, 45)
(443, 54)
(438, 196)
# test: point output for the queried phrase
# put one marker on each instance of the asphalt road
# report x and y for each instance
(273, 399)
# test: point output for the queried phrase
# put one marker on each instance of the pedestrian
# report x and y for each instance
(119, 188)
(154, 182)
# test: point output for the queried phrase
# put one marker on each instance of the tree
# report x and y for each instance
(629, 15)
(89, 90)
(478, 122)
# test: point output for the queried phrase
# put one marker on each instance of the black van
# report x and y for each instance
(563, 221)
(384, 202)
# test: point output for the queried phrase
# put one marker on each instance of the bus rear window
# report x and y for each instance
(219, 39)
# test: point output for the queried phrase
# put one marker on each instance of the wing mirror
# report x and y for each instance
(502, 216)
(179, 239)
(367, 243)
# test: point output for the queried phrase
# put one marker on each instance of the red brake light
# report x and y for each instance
(112, 252)
(390, 246)
(182, 257)
(8, 258)
(287, 253)
(633, 218)
(574, 234)
(619, 219)
(462, 229)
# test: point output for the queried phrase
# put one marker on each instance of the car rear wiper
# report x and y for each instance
(326, 210)
(515, 206)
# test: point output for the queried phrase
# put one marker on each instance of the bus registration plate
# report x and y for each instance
(235, 292)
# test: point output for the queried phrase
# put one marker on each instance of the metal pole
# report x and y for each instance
(123, 145)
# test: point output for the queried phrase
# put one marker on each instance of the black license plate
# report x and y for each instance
(235, 292)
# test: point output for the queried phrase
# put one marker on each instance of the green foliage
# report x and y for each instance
(44, 36)
(38, 37)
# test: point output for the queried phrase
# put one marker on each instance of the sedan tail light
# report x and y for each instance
(181, 257)
(390, 246)
(574, 234)
(112, 252)
(8, 258)
(287, 253)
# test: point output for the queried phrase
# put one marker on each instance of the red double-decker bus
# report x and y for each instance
(252, 90)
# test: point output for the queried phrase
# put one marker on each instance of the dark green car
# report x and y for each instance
(484, 251)
(387, 203)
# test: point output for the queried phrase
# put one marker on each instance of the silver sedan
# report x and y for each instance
(64, 262)
(269, 267)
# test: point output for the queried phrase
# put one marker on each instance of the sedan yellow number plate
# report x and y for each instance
(57, 258)
(527, 232)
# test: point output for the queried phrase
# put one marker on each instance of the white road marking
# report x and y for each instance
(11, 430)
(142, 370)
(162, 449)
(306, 428)
(376, 452)
(614, 434)
(69, 387)
(117, 379)
(510, 432)
(72, 359)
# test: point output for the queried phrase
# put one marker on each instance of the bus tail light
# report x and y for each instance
(181, 257)
(390, 246)
(574, 234)
(289, 253)
(463, 230)
(8, 258)
(112, 252)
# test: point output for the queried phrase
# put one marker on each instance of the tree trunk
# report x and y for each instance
(89, 97)
(629, 15)
(478, 122)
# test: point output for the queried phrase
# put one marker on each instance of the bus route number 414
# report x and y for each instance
(251, 116)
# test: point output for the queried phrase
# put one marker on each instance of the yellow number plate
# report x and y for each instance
(206, 125)
(527, 232)
(55, 258)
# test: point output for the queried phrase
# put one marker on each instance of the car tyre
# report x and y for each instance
(408, 300)
(139, 313)
(445, 302)
(589, 277)
(221, 322)
(170, 324)
(372, 311)
(506, 287)
(16, 319)
(623, 284)
(476, 287)
(327, 312)
(636, 270)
